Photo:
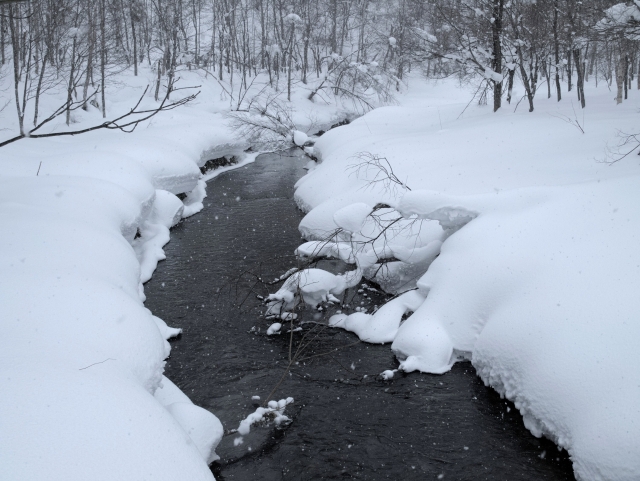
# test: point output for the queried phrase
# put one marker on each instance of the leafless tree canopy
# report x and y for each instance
(360, 50)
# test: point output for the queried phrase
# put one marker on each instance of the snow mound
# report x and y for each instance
(193, 202)
(554, 329)
(314, 285)
(167, 209)
(203, 428)
(352, 217)
(273, 412)
(274, 329)
(300, 138)
(382, 326)
(534, 273)
(328, 248)
(86, 349)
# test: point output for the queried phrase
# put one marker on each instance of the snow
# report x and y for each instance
(168, 210)
(248, 159)
(621, 14)
(85, 220)
(274, 329)
(165, 331)
(550, 331)
(382, 326)
(148, 248)
(300, 138)
(193, 203)
(273, 412)
(292, 18)
(203, 429)
(352, 217)
(519, 241)
(313, 286)
(86, 356)
(490, 74)
(509, 241)
(388, 374)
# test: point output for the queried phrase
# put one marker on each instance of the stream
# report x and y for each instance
(347, 423)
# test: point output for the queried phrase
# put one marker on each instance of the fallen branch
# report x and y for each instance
(126, 122)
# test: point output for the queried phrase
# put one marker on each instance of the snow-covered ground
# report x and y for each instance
(530, 241)
(84, 221)
(83, 392)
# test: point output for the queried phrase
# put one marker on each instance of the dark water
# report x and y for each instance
(345, 425)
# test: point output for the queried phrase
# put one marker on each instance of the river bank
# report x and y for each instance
(347, 421)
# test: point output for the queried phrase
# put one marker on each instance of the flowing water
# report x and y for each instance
(347, 423)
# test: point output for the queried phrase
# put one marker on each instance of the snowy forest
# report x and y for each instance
(397, 239)
(354, 46)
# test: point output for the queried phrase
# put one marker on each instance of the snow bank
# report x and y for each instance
(525, 259)
(546, 302)
(85, 219)
(85, 356)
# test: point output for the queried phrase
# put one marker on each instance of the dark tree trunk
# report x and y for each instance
(510, 85)
(15, 47)
(496, 31)
(103, 57)
(556, 48)
(579, 71)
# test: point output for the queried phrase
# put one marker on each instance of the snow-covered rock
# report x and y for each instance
(300, 138)
(274, 329)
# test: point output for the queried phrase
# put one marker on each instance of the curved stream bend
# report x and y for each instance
(345, 425)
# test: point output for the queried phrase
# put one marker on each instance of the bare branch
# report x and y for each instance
(126, 122)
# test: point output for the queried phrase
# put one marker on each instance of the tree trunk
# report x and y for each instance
(579, 71)
(556, 48)
(626, 76)
(496, 30)
(158, 80)
(2, 29)
(547, 74)
(89, 72)
(103, 57)
(569, 72)
(135, 47)
(619, 79)
(43, 68)
(71, 80)
(526, 81)
(510, 85)
(334, 26)
(290, 66)
(16, 68)
(305, 54)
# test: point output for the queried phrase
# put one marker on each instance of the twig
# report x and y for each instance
(96, 363)
(127, 126)
(575, 122)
